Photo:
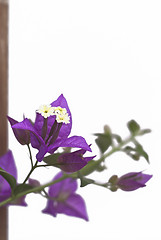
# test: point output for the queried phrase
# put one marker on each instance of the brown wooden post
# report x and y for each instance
(3, 102)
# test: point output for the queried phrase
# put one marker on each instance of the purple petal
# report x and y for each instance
(22, 136)
(129, 185)
(34, 182)
(87, 159)
(4, 195)
(36, 140)
(66, 128)
(41, 153)
(50, 209)
(39, 121)
(132, 181)
(82, 152)
(27, 125)
(73, 206)
(71, 162)
(74, 141)
(65, 200)
(77, 142)
(145, 178)
(68, 185)
(8, 164)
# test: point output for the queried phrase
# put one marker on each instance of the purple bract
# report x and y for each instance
(64, 200)
(23, 137)
(72, 162)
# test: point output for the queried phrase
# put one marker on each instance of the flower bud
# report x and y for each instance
(132, 181)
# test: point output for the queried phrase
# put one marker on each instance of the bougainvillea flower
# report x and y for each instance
(64, 200)
(23, 137)
(72, 162)
(51, 129)
(7, 163)
(132, 181)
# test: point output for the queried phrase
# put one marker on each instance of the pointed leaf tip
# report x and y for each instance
(9, 178)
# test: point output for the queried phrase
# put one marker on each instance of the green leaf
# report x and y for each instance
(144, 131)
(22, 188)
(90, 168)
(141, 152)
(117, 137)
(101, 168)
(86, 181)
(9, 178)
(52, 159)
(137, 152)
(104, 141)
(128, 149)
(133, 127)
(135, 156)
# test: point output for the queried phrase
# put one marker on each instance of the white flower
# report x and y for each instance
(46, 111)
(61, 115)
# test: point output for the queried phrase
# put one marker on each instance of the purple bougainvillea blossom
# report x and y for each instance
(7, 163)
(51, 129)
(64, 200)
(132, 181)
(72, 162)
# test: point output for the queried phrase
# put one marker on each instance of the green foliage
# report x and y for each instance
(9, 178)
(136, 152)
(116, 137)
(52, 159)
(22, 188)
(139, 149)
(106, 139)
(86, 181)
(103, 141)
(133, 127)
(90, 167)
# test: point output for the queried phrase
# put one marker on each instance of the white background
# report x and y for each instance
(105, 57)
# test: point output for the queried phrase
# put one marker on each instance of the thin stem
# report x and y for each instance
(32, 169)
(45, 194)
(52, 140)
(52, 130)
(106, 185)
(44, 128)
(30, 154)
(118, 148)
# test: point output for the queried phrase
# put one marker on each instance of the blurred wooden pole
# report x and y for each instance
(3, 102)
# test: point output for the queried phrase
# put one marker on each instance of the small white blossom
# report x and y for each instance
(46, 111)
(61, 115)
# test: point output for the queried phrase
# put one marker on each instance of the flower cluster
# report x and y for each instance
(60, 113)
(50, 135)
(50, 131)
